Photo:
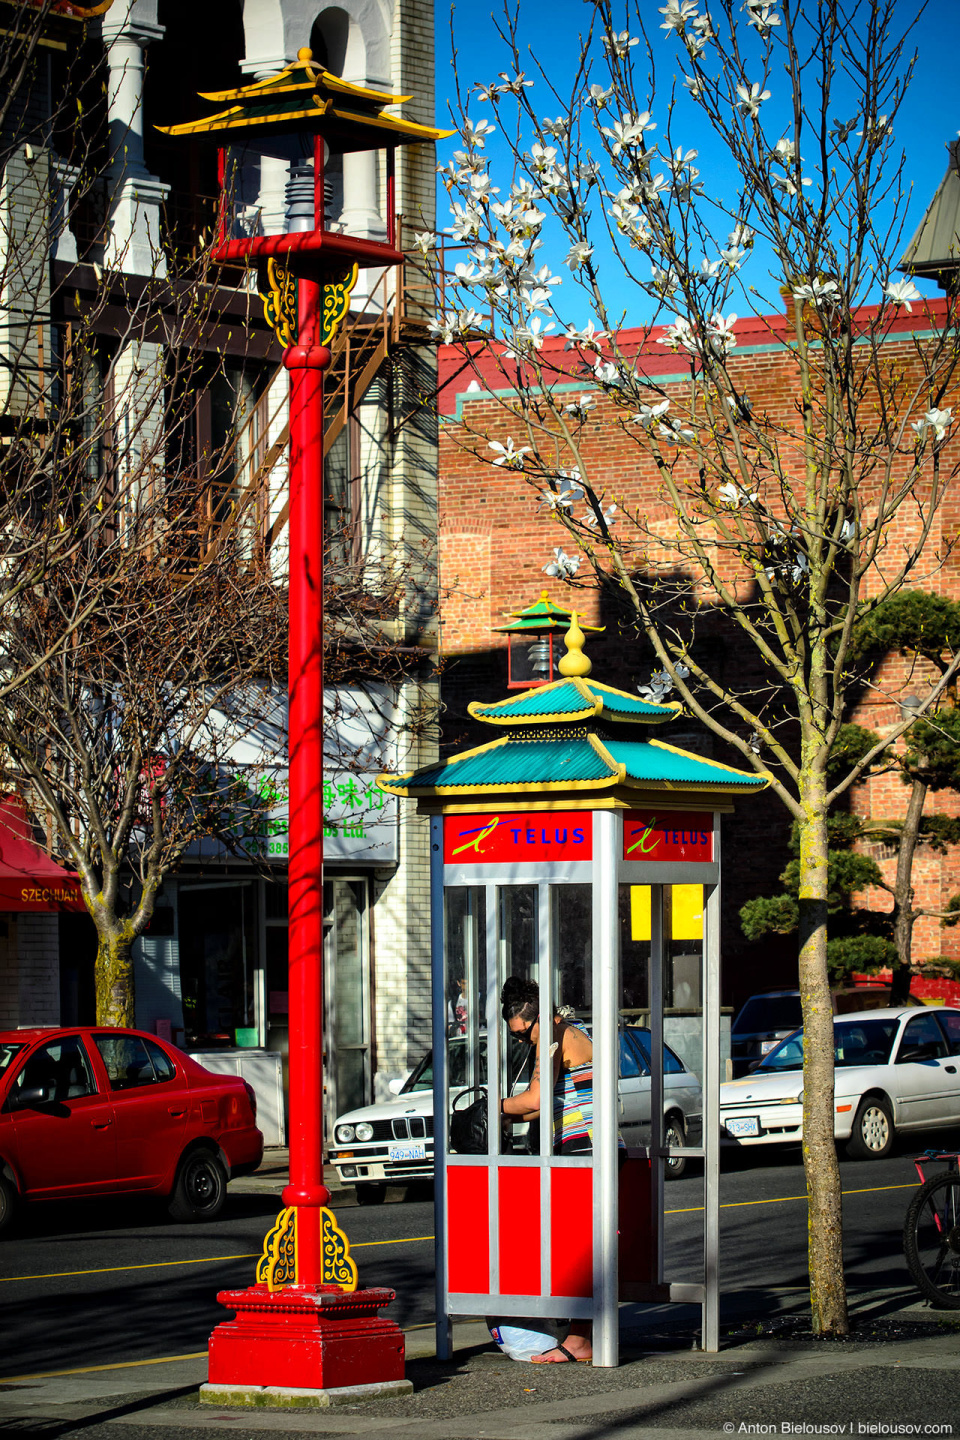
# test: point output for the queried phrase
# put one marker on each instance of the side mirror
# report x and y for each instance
(25, 1099)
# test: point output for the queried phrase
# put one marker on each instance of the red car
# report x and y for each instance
(94, 1111)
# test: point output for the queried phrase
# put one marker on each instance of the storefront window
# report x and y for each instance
(218, 963)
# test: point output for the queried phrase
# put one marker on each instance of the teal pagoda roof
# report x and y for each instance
(570, 699)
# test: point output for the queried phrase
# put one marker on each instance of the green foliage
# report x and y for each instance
(940, 831)
(847, 872)
(851, 744)
(849, 954)
(933, 751)
(778, 915)
(953, 907)
(914, 623)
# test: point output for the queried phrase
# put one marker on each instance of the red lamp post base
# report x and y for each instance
(306, 1339)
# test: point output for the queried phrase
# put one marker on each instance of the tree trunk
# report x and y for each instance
(903, 912)
(828, 1296)
(114, 977)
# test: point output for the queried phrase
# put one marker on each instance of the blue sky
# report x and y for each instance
(928, 119)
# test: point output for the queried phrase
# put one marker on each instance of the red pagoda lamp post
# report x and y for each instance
(305, 1326)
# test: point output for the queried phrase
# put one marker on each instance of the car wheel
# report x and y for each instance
(371, 1194)
(675, 1136)
(200, 1188)
(873, 1131)
(8, 1202)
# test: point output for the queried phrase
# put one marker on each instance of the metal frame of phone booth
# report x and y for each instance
(571, 795)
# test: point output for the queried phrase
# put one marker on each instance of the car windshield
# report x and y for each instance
(422, 1077)
(7, 1051)
(860, 1042)
(768, 1012)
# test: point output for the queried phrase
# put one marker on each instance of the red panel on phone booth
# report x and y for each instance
(571, 1232)
(468, 1230)
(519, 1197)
(657, 835)
(513, 838)
(636, 1238)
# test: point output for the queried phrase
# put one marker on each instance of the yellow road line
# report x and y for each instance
(404, 1240)
(207, 1260)
(785, 1199)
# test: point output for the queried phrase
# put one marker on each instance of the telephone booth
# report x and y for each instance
(576, 851)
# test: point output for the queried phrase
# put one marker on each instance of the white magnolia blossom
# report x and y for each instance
(660, 684)
(481, 187)
(843, 128)
(464, 273)
(580, 408)
(467, 220)
(628, 130)
(720, 333)
(569, 492)
(607, 517)
(762, 16)
(671, 430)
(509, 455)
(425, 241)
(599, 95)
(454, 323)
(821, 292)
(676, 13)
(709, 268)
(557, 129)
(619, 43)
(693, 83)
(665, 282)
(734, 495)
(630, 222)
(733, 256)
(578, 254)
(750, 100)
(879, 126)
(649, 415)
(785, 151)
(514, 84)
(680, 335)
(477, 134)
(786, 184)
(901, 292)
(741, 234)
(563, 566)
(935, 420)
(542, 157)
(526, 338)
(588, 338)
(588, 172)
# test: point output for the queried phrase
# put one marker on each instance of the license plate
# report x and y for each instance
(743, 1125)
(408, 1150)
(767, 1045)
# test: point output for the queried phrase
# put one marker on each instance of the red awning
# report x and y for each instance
(29, 879)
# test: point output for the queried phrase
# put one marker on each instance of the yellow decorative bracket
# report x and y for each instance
(336, 302)
(280, 302)
(277, 1266)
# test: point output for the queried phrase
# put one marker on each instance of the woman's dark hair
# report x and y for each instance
(520, 997)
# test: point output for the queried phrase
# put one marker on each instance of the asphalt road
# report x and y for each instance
(99, 1284)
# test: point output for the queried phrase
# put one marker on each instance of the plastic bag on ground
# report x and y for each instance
(518, 1340)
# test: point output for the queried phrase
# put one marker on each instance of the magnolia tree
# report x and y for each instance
(780, 520)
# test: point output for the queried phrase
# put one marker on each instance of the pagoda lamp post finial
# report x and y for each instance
(574, 663)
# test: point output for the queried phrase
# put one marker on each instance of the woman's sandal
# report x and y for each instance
(568, 1357)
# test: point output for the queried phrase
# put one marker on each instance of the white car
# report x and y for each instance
(392, 1143)
(896, 1069)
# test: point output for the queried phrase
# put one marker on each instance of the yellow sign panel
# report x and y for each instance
(684, 912)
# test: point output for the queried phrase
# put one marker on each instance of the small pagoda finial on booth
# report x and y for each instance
(574, 663)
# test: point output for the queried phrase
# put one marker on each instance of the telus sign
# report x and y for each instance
(511, 838)
(656, 835)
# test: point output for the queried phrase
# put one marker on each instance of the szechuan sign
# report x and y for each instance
(539, 835)
(668, 835)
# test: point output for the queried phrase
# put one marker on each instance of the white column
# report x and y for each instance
(361, 207)
(133, 243)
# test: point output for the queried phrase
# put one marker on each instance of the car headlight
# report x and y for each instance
(792, 1099)
(344, 1134)
(364, 1131)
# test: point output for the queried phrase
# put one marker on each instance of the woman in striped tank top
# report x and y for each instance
(571, 1061)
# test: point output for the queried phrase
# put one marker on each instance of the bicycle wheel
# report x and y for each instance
(931, 1240)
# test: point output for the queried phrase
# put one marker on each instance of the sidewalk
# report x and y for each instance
(902, 1371)
(274, 1174)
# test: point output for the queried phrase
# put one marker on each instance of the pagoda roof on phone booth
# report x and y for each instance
(559, 760)
(571, 700)
(306, 97)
